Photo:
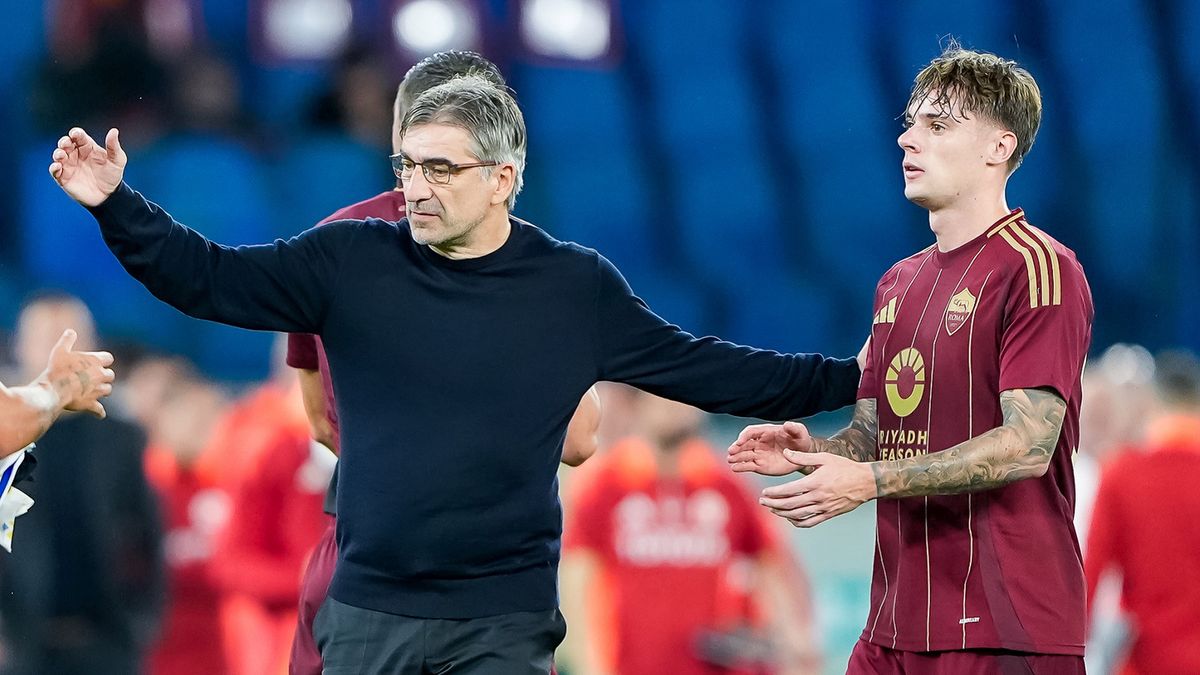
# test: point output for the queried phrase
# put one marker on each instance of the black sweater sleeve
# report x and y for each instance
(283, 286)
(639, 348)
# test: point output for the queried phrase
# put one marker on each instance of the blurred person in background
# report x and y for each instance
(274, 521)
(206, 98)
(670, 566)
(1119, 401)
(307, 355)
(181, 411)
(968, 413)
(1146, 530)
(83, 591)
(501, 335)
(358, 101)
(102, 64)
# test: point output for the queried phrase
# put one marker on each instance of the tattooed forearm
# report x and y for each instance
(1020, 448)
(856, 441)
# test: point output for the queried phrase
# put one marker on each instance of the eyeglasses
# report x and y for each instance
(438, 173)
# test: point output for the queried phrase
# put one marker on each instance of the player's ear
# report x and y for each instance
(1001, 147)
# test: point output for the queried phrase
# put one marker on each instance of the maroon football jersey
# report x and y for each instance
(1000, 568)
(305, 351)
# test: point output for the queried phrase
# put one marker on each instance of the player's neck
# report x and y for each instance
(965, 219)
(486, 237)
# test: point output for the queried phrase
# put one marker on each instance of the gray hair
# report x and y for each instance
(488, 113)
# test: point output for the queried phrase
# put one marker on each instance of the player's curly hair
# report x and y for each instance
(965, 82)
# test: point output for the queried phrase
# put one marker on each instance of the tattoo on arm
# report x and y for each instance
(856, 441)
(1020, 448)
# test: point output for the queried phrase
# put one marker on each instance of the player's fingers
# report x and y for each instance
(65, 342)
(790, 502)
(104, 358)
(65, 143)
(107, 375)
(97, 409)
(785, 490)
(817, 519)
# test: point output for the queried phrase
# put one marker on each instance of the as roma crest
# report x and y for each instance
(959, 310)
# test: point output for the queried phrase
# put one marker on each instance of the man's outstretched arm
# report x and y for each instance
(283, 286)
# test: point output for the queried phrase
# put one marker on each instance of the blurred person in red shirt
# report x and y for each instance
(180, 410)
(1146, 529)
(669, 566)
(277, 478)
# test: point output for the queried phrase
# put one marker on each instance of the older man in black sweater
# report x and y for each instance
(460, 341)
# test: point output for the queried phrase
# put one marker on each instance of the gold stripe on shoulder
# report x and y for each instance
(1041, 259)
(1033, 284)
(1011, 218)
(1053, 261)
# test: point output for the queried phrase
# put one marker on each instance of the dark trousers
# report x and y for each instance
(356, 641)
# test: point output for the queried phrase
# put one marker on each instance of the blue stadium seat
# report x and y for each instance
(728, 218)
(1117, 128)
(1186, 26)
(585, 163)
(318, 175)
(567, 106)
(780, 312)
(215, 186)
(920, 27)
(677, 38)
(840, 134)
(62, 248)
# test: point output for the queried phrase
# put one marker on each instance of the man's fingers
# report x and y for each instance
(743, 467)
(105, 358)
(107, 375)
(65, 342)
(813, 459)
(97, 409)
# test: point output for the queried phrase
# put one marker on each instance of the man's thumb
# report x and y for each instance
(65, 341)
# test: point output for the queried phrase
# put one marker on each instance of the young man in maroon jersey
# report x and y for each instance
(975, 360)
(306, 354)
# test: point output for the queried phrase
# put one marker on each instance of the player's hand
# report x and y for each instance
(86, 170)
(834, 485)
(80, 379)
(760, 448)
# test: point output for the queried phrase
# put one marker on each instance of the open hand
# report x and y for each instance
(84, 169)
(80, 379)
(760, 448)
(834, 485)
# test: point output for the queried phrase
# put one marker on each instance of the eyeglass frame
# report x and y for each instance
(454, 169)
